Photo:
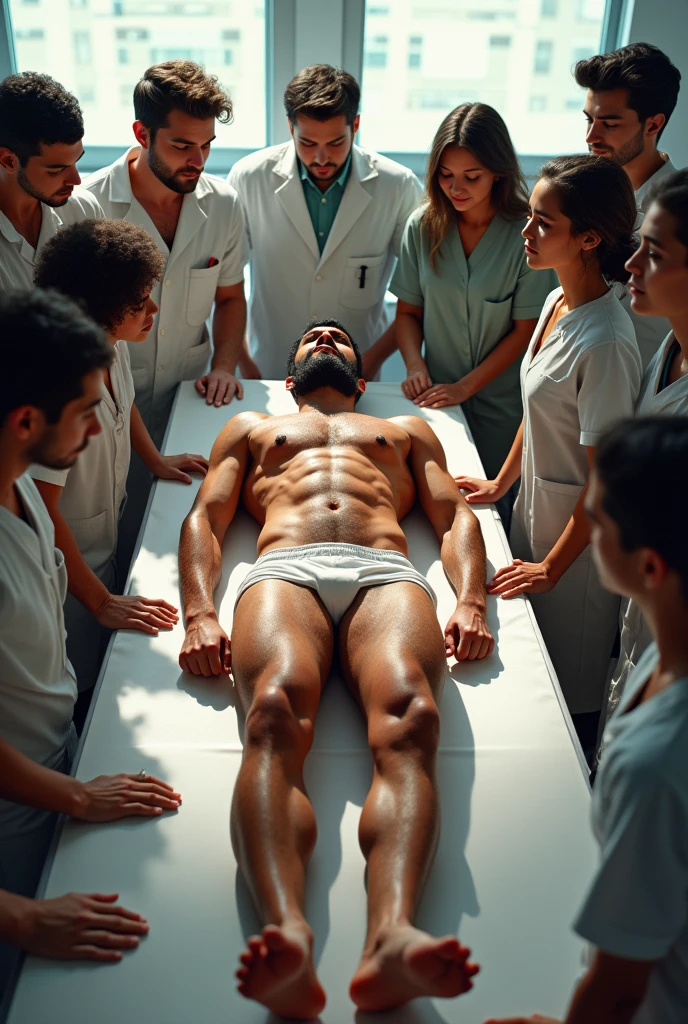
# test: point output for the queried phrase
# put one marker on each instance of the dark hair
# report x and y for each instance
(649, 76)
(107, 266)
(322, 92)
(47, 346)
(36, 110)
(311, 325)
(671, 193)
(179, 85)
(480, 129)
(633, 461)
(596, 195)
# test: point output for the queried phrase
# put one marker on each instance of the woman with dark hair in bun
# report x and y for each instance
(581, 374)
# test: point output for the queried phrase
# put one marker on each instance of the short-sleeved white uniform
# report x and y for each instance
(583, 379)
(93, 496)
(17, 257)
(637, 907)
(209, 252)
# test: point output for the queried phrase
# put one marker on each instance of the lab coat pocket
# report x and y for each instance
(89, 535)
(196, 361)
(351, 294)
(202, 288)
(553, 505)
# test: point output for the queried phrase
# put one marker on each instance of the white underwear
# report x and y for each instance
(335, 571)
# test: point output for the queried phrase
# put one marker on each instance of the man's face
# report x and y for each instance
(325, 358)
(659, 268)
(618, 569)
(179, 151)
(323, 146)
(60, 444)
(614, 130)
(51, 176)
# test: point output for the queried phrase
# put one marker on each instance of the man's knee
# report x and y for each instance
(408, 725)
(281, 715)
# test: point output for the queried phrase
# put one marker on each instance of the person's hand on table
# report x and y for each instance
(219, 387)
(479, 491)
(126, 611)
(442, 394)
(112, 797)
(535, 1019)
(466, 635)
(521, 578)
(417, 381)
(171, 467)
(79, 927)
(206, 649)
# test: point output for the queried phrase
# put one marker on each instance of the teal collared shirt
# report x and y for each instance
(323, 206)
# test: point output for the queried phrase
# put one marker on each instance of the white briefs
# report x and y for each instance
(335, 571)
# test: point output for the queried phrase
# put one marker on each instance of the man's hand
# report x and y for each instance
(171, 467)
(441, 395)
(206, 649)
(535, 1019)
(417, 382)
(521, 578)
(125, 611)
(466, 635)
(219, 387)
(79, 927)
(479, 491)
(112, 797)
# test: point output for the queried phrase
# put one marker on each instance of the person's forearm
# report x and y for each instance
(573, 541)
(229, 326)
(508, 350)
(142, 442)
(409, 339)
(596, 1002)
(200, 566)
(12, 910)
(82, 582)
(511, 470)
(385, 345)
(25, 782)
(464, 558)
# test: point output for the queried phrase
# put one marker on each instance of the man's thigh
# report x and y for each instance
(281, 636)
(391, 646)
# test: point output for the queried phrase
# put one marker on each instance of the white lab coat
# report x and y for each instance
(290, 281)
(211, 226)
(583, 379)
(18, 258)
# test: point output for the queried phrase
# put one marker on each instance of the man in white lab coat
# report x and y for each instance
(324, 220)
(632, 93)
(41, 128)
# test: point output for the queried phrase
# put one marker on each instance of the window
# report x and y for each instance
(375, 55)
(548, 8)
(574, 104)
(537, 104)
(499, 42)
(113, 38)
(543, 57)
(415, 52)
(590, 10)
(581, 53)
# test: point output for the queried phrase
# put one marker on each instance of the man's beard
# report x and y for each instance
(630, 150)
(43, 453)
(324, 370)
(168, 177)
(24, 183)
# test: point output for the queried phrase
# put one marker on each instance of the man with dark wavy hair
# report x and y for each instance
(41, 128)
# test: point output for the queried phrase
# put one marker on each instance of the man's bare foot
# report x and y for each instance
(405, 963)
(277, 970)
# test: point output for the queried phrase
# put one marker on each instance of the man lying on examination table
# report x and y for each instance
(329, 488)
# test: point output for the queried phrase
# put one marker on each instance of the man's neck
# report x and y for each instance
(12, 465)
(327, 401)
(147, 188)
(24, 213)
(643, 167)
(667, 616)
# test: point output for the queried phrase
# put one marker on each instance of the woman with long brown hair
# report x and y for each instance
(463, 283)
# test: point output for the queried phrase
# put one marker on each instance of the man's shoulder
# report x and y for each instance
(97, 181)
(217, 187)
(262, 160)
(81, 205)
(391, 172)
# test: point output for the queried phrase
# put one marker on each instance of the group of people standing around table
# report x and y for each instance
(543, 345)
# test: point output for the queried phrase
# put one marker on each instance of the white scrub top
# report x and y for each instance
(672, 401)
(291, 282)
(210, 228)
(37, 684)
(584, 378)
(94, 488)
(17, 257)
(637, 907)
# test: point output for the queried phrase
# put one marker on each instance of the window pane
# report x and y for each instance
(515, 55)
(99, 49)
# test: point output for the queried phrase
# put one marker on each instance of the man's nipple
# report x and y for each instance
(280, 439)
(381, 439)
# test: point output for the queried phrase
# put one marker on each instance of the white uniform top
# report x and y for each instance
(94, 489)
(672, 401)
(290, 281)
(584, 378)
(637, 907)
(37, 684)
(17, 257)
(210, 227)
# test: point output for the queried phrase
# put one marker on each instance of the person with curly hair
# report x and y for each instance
(41, 128)
(109, 267)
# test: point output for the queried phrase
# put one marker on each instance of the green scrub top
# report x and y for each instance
(469, 305)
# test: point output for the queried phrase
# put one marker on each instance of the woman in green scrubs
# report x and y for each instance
(463, 283)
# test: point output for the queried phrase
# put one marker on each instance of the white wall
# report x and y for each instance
(664, 23)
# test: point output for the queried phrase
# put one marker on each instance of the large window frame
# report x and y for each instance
(299, 33)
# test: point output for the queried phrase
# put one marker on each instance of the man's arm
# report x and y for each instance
(219, 386)
(462, 547)
(379, 351)
(205, 650)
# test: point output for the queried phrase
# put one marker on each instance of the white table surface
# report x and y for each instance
(515, 856)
